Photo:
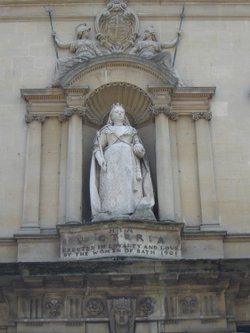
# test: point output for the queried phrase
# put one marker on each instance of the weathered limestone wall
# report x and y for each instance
(214, 51)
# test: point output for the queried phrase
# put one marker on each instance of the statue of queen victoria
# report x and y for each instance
(120, 181)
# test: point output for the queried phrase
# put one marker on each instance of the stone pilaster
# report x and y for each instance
(209, 212)
(30, 220)
(74, 165)
(165, 186)
(63, 169)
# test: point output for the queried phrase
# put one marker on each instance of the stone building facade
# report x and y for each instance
(187, 94)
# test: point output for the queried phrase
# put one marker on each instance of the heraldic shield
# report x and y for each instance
(117, 26)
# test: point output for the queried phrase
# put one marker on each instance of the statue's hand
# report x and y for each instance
(103, 165)
(101, 161)
(139, 150)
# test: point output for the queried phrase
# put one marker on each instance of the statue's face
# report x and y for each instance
(121, 317)
(118, 113)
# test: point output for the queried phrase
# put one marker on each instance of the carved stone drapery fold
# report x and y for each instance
(202, 115)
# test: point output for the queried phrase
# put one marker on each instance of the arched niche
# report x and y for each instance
(136, 102)
(117, 79)
(138, 106)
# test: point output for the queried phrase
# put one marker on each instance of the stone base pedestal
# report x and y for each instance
(154, 240)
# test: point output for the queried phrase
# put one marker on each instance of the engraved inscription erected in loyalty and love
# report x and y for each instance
(120, 241)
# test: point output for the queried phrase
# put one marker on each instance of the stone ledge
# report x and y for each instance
(200, 266)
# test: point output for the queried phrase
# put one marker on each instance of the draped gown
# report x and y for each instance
(126, 184)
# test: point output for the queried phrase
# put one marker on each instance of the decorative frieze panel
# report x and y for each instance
(95, 307)
(122, 314)
(191, 306)
(188, 305)
(171, 306)
(146, 306)
(54, 307)
(209, 305)
(74, 307)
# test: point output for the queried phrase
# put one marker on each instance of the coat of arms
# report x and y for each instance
(117, 26)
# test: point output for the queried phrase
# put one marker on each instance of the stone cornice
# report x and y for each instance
(143, 266)
(184, 100)
(47, 94)
(136, 2)
(30, 10)
(174, 102)
(49, 101)
(184, 92)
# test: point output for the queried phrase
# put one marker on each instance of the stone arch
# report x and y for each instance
(118, 68)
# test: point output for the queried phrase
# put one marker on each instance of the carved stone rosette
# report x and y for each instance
(117, 26)
(146, 306)
(122, 314)
(95, 307)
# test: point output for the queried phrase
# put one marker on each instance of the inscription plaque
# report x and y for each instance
(102, 240)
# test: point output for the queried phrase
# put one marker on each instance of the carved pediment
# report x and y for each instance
(117, 33)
